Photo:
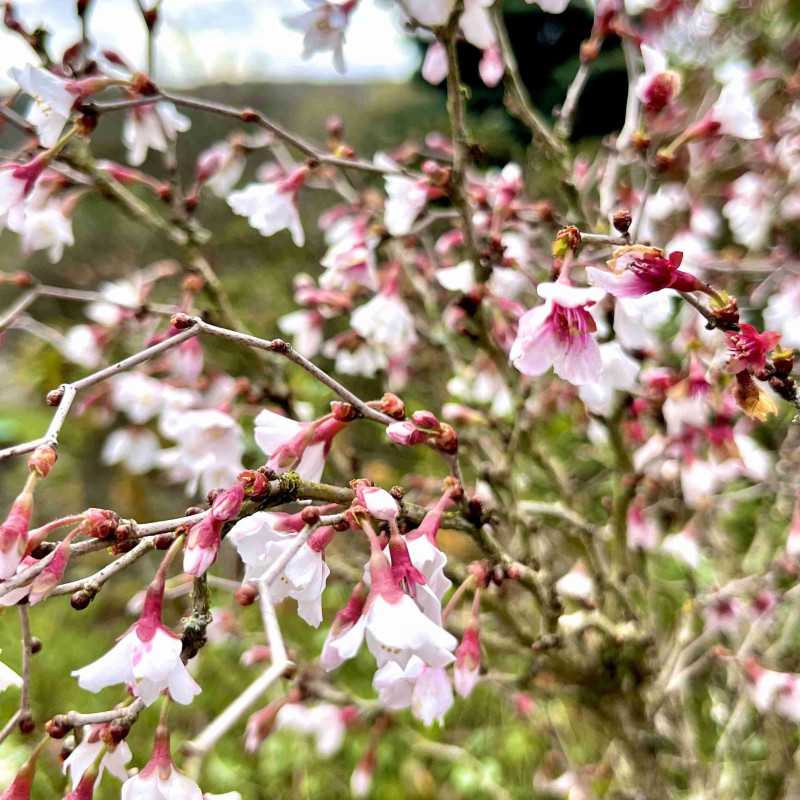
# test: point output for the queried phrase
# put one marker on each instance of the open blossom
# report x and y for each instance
(750, 211)
(683, 546)
(386, 321)
(152, 127)
(306, 329)
(577, 584)
(86, 753)
(324, 28)
(426, 690)
(202, 545)
(635, 270)
(159, 779)
(299, 446)
(208, 452)
(558, 334)
(405, 196)
(138, 395)
(748, 348)
(137, 448)
(147, 656)
(620, 373)
(272, 206)
(773, 691)
(45, 227)
(220, 167)
(263, 538)
(735, 112)
(424, 551)
(345, 636)
(659, 86)
(326, 722)
(781, 313)
(52, 101)
(16, 183)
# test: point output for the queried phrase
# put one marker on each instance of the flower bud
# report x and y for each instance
(310, 515)
(181, 321)
(405, 433)
(622, 219)
(254, 482)
(246, 594)
(567, 239)
(425, 419)
(392, 405)
(54, 396)
(343, 412)
(378, 502)
(58, 727)
(42, 459)
(81, 599)
(228, 503)
(100, 523)
(447, 439)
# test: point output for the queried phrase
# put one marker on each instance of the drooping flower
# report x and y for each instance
(85, 754)
(272, 206)
(326, 722)
(385, 321)
(324, 28)
(137, 448)
(138, 395)
(434, 66)
(345, 636)
(220, 167)
(636, 270)
(424, 551)
(147, 656)
(558, 334)
(202, 545)
(159, 779)
(152, 127)
(263, 538)
(16, 183)
(467, 669)
(491, 67)
(424, 689)
(45, 227)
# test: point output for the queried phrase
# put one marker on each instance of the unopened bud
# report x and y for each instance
(783, 361)
(181, 321)
(100, 523)
(36, 645)
(228, 503)
(58, 727)
(80, 599)
(142, 84)
(310, 515)
(249, 115)
(392, 405)
(344, 412)
(163, 541)
(425, 419)
(114, 733)
(255, 483)
(640, 141)
(26, 724)
(622, 219)
(246, 594)
(54, 396)
(42, 459)
(447, 439)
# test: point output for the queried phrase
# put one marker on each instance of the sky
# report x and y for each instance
(208, 41)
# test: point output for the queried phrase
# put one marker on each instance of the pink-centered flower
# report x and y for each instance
(202, 545)
(559, 334)
(426, 690)
(748, 348)
(345, 635)
(636, 270)
(659, 86)
(272, 206)
(147, 656)
(152, 127)
(53, 99)
(466, 671)
(393, 625)
(299, 446)
(16, 183)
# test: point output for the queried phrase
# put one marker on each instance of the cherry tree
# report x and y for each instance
(607, 334)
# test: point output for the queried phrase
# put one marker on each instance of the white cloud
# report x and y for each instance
(219, 40)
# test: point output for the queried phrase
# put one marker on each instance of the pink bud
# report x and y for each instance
(228, 504)
(468, 662)
(379, 503)
(14, 533)
(202, 545)
(425, 419)
(100, 523)
(405, 433)
(42, 459)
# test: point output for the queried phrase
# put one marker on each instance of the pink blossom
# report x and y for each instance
(147, 656)
(152, 127)
(642, 531)
(748, 348)
(345, 635)
(491, 66)
(202, 545)
(378, 502)
(292, 445)
(434, 67)
(405, 433)
(53, 99)
(558, 334)
(636, 270)
(659, 86)
(466, 671)
(14, 533)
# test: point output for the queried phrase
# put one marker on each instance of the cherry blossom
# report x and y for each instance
(148, 656)
(326, 722)
(466, 671)
(324, 27)
(152, 127)
(86, 753)
(52, 101)
(558, 334)
(659, 86)
(272, 206)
